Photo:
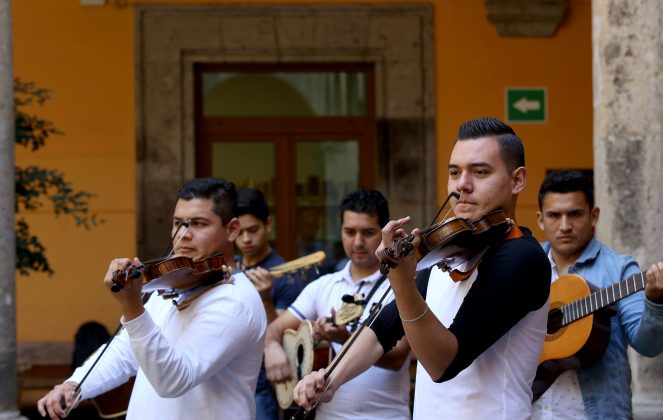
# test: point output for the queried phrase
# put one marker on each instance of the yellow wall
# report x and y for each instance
(85, 55)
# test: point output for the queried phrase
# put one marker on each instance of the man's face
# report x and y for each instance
(253, 239)
(206, 234)
(568, 222)
(361, 235)
(477, 171)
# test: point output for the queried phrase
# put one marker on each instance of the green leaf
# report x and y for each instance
(38, 187)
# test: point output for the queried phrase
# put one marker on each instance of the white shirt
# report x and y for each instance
(564, 398)
(497, 385)
(198, 363)
(377, 393)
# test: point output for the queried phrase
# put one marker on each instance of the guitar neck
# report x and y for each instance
(602, 298)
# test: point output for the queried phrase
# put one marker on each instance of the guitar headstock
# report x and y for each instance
(300, 264)
(348, 313)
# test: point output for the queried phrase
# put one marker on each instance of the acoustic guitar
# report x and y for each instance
(578, 325)
(303, 359)
(306, 356)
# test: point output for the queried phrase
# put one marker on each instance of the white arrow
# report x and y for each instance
(523, 105)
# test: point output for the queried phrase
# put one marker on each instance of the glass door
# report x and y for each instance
(304, 134)
(325, 172)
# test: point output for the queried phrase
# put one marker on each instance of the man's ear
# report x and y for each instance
(268, 225)
(595, 217)
(519, 177)
(233, 227)
(539, 219)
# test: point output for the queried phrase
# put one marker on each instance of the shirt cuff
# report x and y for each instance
(296, 312)
(656, 308)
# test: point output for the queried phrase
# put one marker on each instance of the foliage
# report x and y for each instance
(36, 186)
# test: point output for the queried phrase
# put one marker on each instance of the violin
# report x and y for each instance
(451, 243)
(174, 274)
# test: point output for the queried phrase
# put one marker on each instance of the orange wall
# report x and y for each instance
(474, 66)
(85, 55)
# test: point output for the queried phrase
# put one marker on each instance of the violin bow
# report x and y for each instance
(301, 413)
(76, 392)
(377, 309)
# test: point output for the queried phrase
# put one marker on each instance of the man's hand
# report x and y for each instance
(262, 280)
(277, 364)
(403, 274)
(311, 390)
(654, 288)
(55, 403)
(129, 298)
(323, 329)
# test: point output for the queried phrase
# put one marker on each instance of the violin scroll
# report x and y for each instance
(401, 248)
(120, 277)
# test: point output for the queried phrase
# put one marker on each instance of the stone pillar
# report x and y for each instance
(628, 152)
(8, 384)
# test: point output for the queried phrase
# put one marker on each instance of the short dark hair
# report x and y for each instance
(366, 201)
(567, 181)
(511, 147)
(252, 201)
(223, 193)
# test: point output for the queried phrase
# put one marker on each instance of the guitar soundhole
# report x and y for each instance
(300, 354)
(555, 317)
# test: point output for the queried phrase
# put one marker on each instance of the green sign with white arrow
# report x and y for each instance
(527, 105)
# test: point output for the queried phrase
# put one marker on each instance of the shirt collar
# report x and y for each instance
(347, 276)
(554, 275)
(590, 253)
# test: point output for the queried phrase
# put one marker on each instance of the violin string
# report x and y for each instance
(450, 210)
(432, 225)
(184, 223)
(453, 194)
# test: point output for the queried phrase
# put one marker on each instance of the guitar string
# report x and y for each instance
(583, 306)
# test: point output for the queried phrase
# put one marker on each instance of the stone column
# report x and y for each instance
(8, 384)
(628, 150)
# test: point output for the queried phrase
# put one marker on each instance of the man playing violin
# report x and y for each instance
(383, 390)
(198, 359)
(477, 341)
(276, 294)
(568, 217)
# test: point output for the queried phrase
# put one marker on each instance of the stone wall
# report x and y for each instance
(628, 150)
(398, 39)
